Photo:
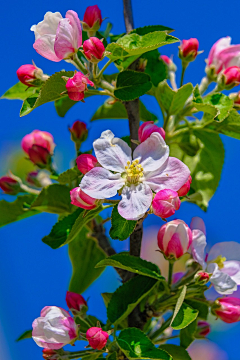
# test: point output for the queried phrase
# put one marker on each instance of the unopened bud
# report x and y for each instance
(229, 78)
(77, 85)
(188, 49)
(186, 187)
(75, 302)
(86, 162)
(92, 20)
(39, 156)
(49, 354)
(31, 75)
(78, 132)
(38, 179)
(10, 185)
(169, 63)
(82, 200)
(93, 49)
(147, 128)
(97, 338)
(227, 309)
(165, 203)
(202, 277)
(203, 329)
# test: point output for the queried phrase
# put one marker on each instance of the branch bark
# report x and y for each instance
(128, 15)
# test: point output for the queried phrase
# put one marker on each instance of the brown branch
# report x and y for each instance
(128, 15)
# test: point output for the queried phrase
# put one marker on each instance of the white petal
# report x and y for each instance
(152, 153)
(135, 201)
(232, 268)
(172, 175)
(222, 283)
(112, 153)
(198, 247)
(48, 26)
(228, 249)
(100, 183)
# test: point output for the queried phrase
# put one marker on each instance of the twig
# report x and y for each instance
(128, 15)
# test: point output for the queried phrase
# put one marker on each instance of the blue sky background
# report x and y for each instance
(32, 274)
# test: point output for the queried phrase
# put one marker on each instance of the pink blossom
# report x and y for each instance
(188, 50)
(77, 85)
(147, 128)
(9, 185)
(78, 131)
(166, 59)
(92, 18)
(93, 49)
(40, 138)
(39, 156)
(203, 328)
(174, 239)
(75, 301)
(232, 75)
(228, 310)
(86, 162)
(151, 169)
(82, 200)
(165, 203)
(186, 187)
(97, 338)
(49, 354)
(54, 328)
(58, 38)
(223, 55)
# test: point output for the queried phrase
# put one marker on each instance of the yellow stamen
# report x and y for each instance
(219, 261)
(134, 171)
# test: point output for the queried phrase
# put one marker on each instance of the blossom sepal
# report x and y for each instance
(202, 277)
(188, 50)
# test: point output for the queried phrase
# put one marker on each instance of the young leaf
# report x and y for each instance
(121, 228)
(184, 317)
(218, 105)
(155, 67)
(136, 345)
(132, 264)
(201, 306)
(54, 199)
(50, 91)
(179, 302)
(151, 28)
(68, 176)
(131, 85)
(16, 210)
(26, 335)
(19, 91)
(177, 352)
(60, 231)
(230, 126)
(127, 296)
(187, 334)
(84, 254)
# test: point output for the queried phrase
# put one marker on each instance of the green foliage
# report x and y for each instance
(230, 126)
(19, 91)
(116, 110)
(26, 335)
(131, 85)
(177, 352)
(218, 105)
(201, 306)
(136, 345)
(84, 254)
(184, 317)
(121, 228)
(54, 199)
(155, 67)
(132, 264)
(187, 334)
(70, 175)
(127, 296)
(179, 302)
(151, 28)
(16, 210)
(50, 91)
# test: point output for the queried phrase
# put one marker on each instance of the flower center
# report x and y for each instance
(134, 171)
(219, 261)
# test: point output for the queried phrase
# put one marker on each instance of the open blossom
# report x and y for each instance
(165, 203)
(96, 337)
(82, 200)
(151, 169)
(77, 85)
(58, 38)
(222, 261)
(228, 309)
(54, 328)
(223, 55)
(147, 128)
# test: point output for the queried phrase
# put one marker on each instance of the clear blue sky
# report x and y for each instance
(32, 274)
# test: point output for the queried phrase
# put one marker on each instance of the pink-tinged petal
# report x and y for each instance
(76, 96)
(222, 283)
(63, 45)
(45, 47)
(100, 183)
(230, 56)
(112, 153)
(135, 201)
(172, 175)
(198, 224)
(48, 26)
(76, 28)
(152, 153)
(198, 246)
(216, 48)
(232, 268)
(175, 247)
(45, 310)
(165, 203)
(228, 249)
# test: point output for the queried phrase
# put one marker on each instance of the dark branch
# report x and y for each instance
(128, 15)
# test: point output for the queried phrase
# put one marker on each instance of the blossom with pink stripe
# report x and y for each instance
(228, 310)
(82, 200)
(165, 203)
(147, 128)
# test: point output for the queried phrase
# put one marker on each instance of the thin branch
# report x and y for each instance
(128, 15)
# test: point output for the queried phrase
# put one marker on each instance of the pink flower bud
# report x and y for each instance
(97, 338)
(166, 59)
(27, 75)
(228, 309)
(186, 187)
(203, 329)
(202, 277)
(165, 203)
(49, 354)
(77, 85)
(82, 200)
(78, 131)
(147, 128)
(54, 328)
(232, 75)
(39, 156)
(38, 179)
(188, 49)
(86, 162)
(40, 138)
(176, 277)
(174, 239)
(9, 185)
(93, 49)
(92, 18)
(75, 301)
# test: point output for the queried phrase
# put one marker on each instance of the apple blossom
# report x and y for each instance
(40, 138)
(201, 277)
(147, 128)
(38, 178)
(188, 49)
(54, 328)
(49, 354)
(93, 49)
(78, 131)
(97, 338)
(82, 200)
(174, 239)
(203, 329)
(77, 85)
(58, 38)
(150, 170)
(171, 66)
(227, 309)
(165, 203)
(9, 185)
(92, 20)
(75, 301)
(86, 162)
(186, 187)
(229, 78)
(30, 75)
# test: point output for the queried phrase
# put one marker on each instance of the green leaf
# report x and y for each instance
(84, 254)
(131, 85)
(19, 91)
(60, 231)
(156, 67)
(150, 28)
(127, 296)
(54, 199)
(173, 101)
(132, 264)
(177, 352)
(201, 306)
(187, 334)
(50, 91)
(121, 228)
(229, 126)
(116, 110)
(218, 105)
(112, 356)
(26, 335)
(68, 176)
(179, 302)
(184, 317)
(93, 356)
(16, 210)
(134, 44)
(136, 345)
(106, 297)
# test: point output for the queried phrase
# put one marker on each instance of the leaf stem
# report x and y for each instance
(103, 69)
(172, 79)
(29, 190)
(158, 332)
(79, 64)
(170, 272)
(184, 66)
